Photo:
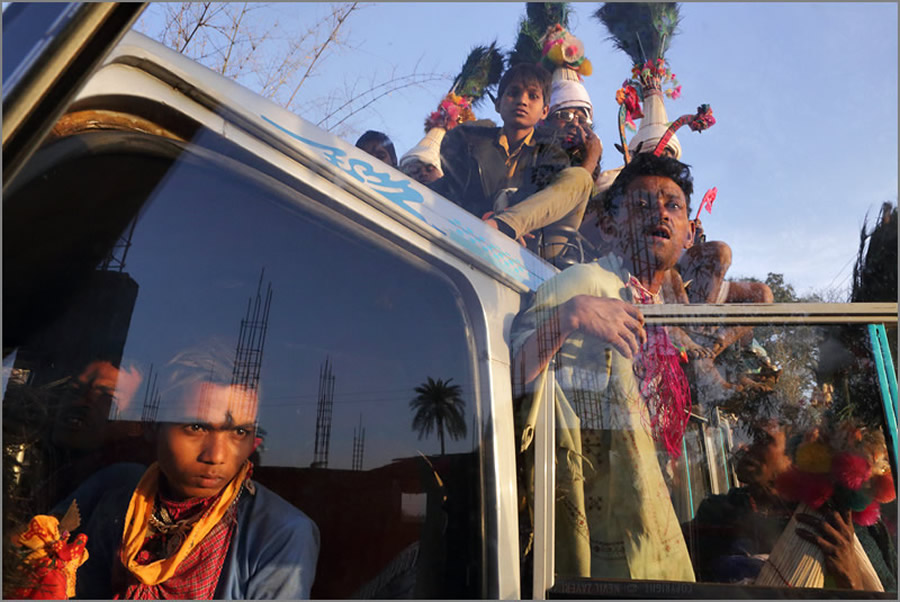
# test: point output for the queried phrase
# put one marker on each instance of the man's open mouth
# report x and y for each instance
(659, 232)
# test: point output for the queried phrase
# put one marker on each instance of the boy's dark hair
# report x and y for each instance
(526, 73)
(648, 164)
(378, 138)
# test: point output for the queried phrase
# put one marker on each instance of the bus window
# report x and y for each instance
(360, 355)
(637, 517)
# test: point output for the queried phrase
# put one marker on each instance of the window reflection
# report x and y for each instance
(361, 357)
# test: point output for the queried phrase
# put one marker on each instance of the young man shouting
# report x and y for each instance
(620, 396)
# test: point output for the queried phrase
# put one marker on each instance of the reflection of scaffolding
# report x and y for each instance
(151, 398)
(359, 443)
(115, 260)
(323, 416)
(251, 340)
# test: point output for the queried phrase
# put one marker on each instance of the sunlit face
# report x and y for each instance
(202, 454)
(85, 408)
(522, 105)
(651, 226)
(568, 121)
(379, 151)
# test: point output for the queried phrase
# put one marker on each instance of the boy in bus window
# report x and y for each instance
(620, 391)
(194, 525)
(509, 177)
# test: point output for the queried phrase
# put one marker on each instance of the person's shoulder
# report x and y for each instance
(593, 273)
(724, 508)
(276, 512)
(483, 129)
(114, 480)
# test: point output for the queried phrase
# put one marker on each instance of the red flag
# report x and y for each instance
(707, 201)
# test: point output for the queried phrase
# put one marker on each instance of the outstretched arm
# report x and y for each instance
(611, 320)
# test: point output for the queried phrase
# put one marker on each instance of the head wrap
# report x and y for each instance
(570, 94)
(428, 150)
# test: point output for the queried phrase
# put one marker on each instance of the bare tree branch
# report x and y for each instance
(275, 60)
(197, 26)
(341, 17)
(384, 89)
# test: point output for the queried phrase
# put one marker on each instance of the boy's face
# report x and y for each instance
(651, 225)
(202, 454)
(379, 151)
(522, 105)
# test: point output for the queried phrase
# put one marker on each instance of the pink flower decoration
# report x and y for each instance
(850, 470)
(869, 516)
(676, 93)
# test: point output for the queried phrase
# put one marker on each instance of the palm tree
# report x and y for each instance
(439, 407)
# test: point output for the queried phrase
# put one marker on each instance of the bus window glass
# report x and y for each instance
(358, 356)
(791, 421)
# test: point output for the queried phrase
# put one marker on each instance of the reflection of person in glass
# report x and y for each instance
(735, 532)
(193, 525)
(81, 433)
(85, 408)
(615, 396)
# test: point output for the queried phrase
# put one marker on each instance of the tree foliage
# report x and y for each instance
(439, 407)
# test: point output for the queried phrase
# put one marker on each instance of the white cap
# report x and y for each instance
(428, 150)
(569, 94)
(653, 125)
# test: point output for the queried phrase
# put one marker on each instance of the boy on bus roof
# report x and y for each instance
(489, 171)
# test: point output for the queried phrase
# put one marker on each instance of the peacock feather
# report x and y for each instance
(538, 17)
(481, 71)
(643, 30)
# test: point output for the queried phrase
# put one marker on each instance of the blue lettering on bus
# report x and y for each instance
(400, 193)
(396, 191)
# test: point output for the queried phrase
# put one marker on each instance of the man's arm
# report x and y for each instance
(611, 320)
(286, 566)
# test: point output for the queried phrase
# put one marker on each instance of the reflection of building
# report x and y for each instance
(359, 444)
(251, 341)
(323, 416)
(411, 520)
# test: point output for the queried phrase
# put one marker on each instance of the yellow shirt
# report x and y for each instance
(512, 158)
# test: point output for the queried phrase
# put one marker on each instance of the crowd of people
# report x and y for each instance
(195, 525)
(537, 179)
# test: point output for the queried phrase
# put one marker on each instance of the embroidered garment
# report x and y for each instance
(614, 516)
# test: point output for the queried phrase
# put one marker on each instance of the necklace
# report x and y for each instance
(172, 532)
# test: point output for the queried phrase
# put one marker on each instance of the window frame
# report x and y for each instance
(870, 314)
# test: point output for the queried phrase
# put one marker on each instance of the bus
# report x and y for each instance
(163, 206)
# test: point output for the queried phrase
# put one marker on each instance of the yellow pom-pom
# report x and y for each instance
(813, 457)
(585, 68)
(555, 54)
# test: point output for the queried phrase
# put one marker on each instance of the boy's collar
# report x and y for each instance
(503, 140)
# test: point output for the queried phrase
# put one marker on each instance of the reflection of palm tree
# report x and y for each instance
(439, 407)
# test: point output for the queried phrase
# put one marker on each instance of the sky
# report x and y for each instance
(804, 94)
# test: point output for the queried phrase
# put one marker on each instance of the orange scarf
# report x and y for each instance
(137, 522)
